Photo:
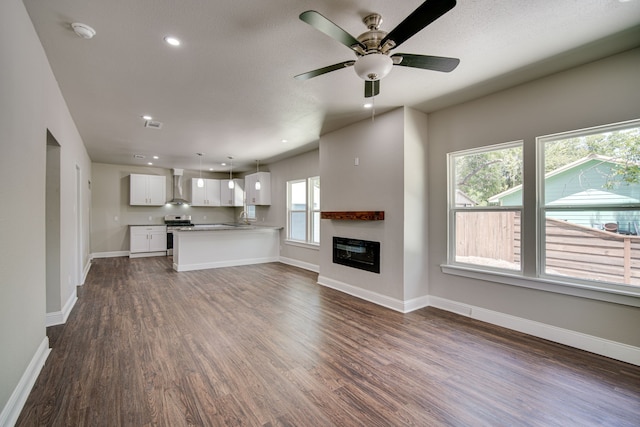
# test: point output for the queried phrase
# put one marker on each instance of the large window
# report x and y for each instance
(303, 210)
(483, 230)
(589, 187)
(585, 205)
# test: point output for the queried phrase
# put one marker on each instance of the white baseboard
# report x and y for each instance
(300, 264)
(147, 254)
(60, 317)
(12, 409)
(86, 270)
(590, 343)
(374, 297)
(113, 254)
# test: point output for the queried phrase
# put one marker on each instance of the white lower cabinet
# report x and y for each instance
(147, 240)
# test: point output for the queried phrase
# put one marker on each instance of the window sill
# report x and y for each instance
(616, 295)
(313, 246)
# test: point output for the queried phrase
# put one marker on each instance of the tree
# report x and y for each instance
(485, 174)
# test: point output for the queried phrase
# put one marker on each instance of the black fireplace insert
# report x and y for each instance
(362, 254)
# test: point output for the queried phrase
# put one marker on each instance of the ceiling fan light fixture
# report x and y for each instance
(374, 66)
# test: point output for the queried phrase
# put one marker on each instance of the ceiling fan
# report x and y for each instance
(372, 47)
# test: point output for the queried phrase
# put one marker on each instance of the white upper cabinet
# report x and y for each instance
(150, 190)
(208, 195)
(262, 194)
(232, 196)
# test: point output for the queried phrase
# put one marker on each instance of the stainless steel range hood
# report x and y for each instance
(178, 196)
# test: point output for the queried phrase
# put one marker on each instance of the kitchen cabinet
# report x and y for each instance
(261, 196)
(232, 196)
(147, 240)
(149, 190)
(209, 195)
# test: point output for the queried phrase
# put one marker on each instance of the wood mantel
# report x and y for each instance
(354, 215)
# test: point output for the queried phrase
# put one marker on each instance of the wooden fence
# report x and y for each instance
(578, 251)
(491, 235)
(571, 250)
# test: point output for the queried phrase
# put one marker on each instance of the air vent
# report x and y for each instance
(139, 156)
(152, 124)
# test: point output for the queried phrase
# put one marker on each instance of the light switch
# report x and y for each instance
(356, 161)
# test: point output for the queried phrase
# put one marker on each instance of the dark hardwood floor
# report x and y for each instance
(265, 345)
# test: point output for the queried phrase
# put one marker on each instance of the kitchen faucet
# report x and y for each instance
(243, 217)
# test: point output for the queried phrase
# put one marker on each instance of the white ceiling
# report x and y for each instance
(228, 90)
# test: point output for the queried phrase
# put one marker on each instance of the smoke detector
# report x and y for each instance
(83, 30)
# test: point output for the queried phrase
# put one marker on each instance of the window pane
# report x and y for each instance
(298, 226)
(585, 175)
(315, 229)
(251, 212)
(298, 194)
(489, 239)
(315, 192)
(594, 245)
(489, 178)
(598, 169)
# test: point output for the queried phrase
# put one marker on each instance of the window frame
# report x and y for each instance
(531, 276)
(453, 210)
(309, 211)
(542, 209)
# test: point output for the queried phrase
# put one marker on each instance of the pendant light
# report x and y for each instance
(200, 182)
(258, 185)
(231, 183)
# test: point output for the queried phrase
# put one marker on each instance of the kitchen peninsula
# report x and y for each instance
(224, 245)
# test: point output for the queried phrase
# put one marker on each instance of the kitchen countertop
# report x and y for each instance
(218, 227)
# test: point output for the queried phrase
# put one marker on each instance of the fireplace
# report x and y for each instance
(361, 254)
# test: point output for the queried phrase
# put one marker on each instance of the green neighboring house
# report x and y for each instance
(584, 183)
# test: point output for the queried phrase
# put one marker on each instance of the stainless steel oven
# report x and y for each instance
(174, 222)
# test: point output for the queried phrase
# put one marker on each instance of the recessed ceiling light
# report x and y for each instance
(147, 117)
(223, 164)
(156, 157)
(172, 41)
(211, 169)
(150, 164)
(368, 105)
(285, 141)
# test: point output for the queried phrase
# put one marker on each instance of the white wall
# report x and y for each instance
(598, 93)
(31, 103)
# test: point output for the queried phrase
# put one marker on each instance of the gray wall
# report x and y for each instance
(298, 167)
(31, 103)
(594, 94)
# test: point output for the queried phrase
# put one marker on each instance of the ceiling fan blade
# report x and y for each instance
(324, 70)
(424, 15)
(320, 23)
(435, 63)
(371, 88)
